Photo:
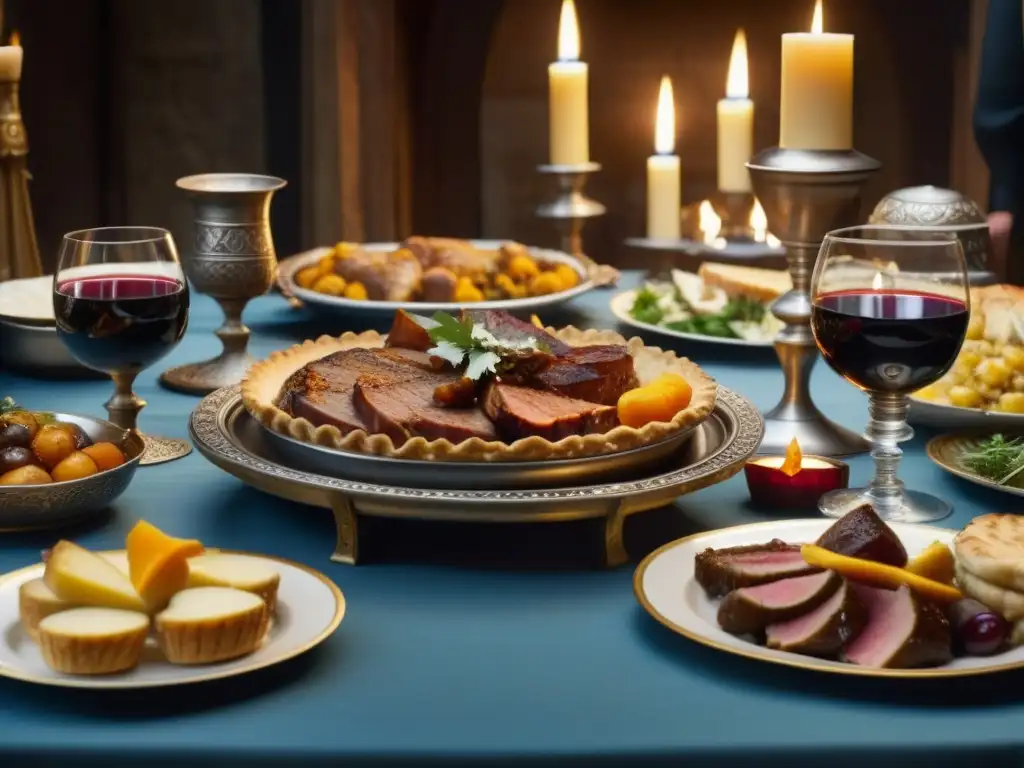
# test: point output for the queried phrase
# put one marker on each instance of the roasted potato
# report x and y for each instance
(27, 475)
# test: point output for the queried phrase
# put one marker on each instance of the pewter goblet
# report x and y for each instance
(233, 261)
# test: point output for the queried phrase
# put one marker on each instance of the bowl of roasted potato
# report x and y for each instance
(57, 468)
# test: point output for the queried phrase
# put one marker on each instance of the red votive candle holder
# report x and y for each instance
(771, 486)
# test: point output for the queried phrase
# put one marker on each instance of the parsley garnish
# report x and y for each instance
(461, 341)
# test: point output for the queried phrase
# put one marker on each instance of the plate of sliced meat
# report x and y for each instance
(481, 388)
(857, 596)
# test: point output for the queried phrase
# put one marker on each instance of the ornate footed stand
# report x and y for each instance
(571, 209)
(123, 409)
(232, 261)
(19, 252)
(805, 195)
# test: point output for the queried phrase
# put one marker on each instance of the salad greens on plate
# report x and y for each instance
(685, 305)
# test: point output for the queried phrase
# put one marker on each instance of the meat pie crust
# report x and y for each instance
(262, 387)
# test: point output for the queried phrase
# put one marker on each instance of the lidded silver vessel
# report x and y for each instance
(945, 209)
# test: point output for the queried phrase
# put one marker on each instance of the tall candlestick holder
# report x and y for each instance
(806, 194)
(571, 209)
(19, 251)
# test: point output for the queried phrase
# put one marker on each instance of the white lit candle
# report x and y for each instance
(663, 171)
(736, 122)
(10, 60)
(567, 95)
(816, 109)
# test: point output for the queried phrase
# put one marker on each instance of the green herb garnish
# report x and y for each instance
(8, 405)
(645, 307)
(461, 341)
(998, 459)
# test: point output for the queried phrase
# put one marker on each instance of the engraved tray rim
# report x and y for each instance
(481, 475)
(742, 423)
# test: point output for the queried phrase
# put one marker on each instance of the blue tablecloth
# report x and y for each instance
(474, 641)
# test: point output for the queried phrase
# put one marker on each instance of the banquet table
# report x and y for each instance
(473, 643)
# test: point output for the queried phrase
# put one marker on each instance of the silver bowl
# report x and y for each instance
(931, 207)
(36, 350)
(27, 507)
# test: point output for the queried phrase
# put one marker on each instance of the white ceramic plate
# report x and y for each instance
(939, 415)
(665, 586)
(309, 608)
(623, 302)
(290, 266)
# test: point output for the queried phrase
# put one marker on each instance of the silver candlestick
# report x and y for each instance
(571, 209)
(805, 194)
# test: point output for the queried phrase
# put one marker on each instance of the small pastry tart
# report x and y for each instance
(93, 641)
(36, 601)
(215, 569)
(207, 624)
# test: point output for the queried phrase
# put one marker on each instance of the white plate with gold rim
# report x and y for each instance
(309, 608)
(665, 586)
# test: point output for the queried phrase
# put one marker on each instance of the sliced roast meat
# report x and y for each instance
(403, 407)
(823, 631)
(720, 571)
(600, 373)
(750, 609)
(409, 331)
(523, 412)
(903, 631)
(321, 392)
(506, 327)
(862, 533)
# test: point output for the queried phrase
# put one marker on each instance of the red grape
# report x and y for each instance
(977, 630)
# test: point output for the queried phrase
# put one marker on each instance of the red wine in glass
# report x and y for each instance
(119, 323)
(891, 341)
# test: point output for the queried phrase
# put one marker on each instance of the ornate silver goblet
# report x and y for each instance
(232, 260)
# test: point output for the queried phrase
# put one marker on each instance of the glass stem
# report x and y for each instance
(887, 428)
(123, 408)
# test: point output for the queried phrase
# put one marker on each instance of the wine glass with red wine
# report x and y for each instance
(121, 303)
(889, 311)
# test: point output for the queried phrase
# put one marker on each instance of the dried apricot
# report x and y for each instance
(106, 455)
(545, 283)
(660, 400)
(75, 467)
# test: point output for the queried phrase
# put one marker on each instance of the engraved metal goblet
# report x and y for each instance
(232, 261)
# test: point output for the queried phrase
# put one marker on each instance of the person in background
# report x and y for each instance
(999, 131)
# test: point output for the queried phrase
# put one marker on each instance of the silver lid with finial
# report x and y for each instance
(932, 207)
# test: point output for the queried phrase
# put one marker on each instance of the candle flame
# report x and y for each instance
(794, 459)
(772, 241)
(568, 33)
(817, 23)
(665, 120)
(758, 222)
(878, 282)
(709, 222)
(737, 83)
(15, 38)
